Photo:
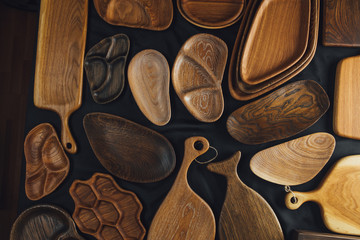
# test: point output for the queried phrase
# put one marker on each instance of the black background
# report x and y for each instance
(207, 185)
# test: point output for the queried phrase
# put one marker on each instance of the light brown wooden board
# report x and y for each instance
(308, 235)
(59, 60)
(347, 98)
(338, 196)
(183, 215)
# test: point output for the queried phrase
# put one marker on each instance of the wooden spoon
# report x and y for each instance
(294, 162)
(245, 214)
(338, 196)
(183, 215)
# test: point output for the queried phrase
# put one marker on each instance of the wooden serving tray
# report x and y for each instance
(309, 235)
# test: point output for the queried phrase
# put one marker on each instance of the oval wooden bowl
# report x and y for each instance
(129, 150)
(283, 113)
(149, 80)
(46, 162)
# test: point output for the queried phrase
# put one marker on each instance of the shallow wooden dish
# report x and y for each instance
(294, 162)
(128, 150)
(149, 80)
(197, 75)
(46, 162)
(44, 222)
(105, 210)
(281, 114)
(148, 14)
(105, 66)
(211, 14)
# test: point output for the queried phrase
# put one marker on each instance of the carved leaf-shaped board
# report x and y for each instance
(148, 14)
(283, 113)
(128, 150)
(197, 75)
(149, 80)
(46, 162)
(294, 162)
(105, 65)
(105, 210)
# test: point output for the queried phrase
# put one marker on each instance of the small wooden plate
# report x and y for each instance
(46, 162)
(149, 80)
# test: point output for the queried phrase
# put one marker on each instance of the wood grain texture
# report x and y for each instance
(149, 81)
(197, 75)
(105, 68)
(337, 196)
(59, 60)
(44, 222)
(245, 214)
(183, 215)
(148, 14)
(346, 98)
(341, 23)
(308, 235)
(105, 210)
(128, 150)
(46, 162)
(283, 113)
(212, 14)
(294, 162)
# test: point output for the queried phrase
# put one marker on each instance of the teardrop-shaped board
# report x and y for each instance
(197, 75)
(149, 81)
(294, 162)
(105, 65)
(128, 150)
(148, 14)
(211, 14)
(338, 196)
(245, 214)
(281, 114)
(183, 215)
(46, 162)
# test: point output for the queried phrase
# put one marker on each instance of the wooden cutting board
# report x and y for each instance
(59, 60)
(183, 215)
(245, 214)
(308, 235)
(338, 196)
(347, 98)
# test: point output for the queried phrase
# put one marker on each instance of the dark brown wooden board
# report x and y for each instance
(309, 235)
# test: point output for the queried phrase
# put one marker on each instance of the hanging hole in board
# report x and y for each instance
(198, 145)
(208, 156)
(68, 145)
(294, 200)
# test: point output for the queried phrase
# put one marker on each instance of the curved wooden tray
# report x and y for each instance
(46, 162)
(149, 80)
(44, 222)
(148, 14)
(283, 113)
(128, 150)
(105, 210)
(211, 14)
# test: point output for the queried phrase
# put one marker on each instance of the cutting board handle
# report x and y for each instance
(300, 198)
(67, 140)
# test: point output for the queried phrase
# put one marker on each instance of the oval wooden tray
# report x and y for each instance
(211, 14)
(197, 75)
(44, 222)
(148, 14)
(46, 162)
(128, 150)
(149, 80)
(105, 210)
(105, 65)
(283, 113)
(294, 162)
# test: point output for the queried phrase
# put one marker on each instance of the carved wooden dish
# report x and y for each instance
(105, 67)
(197, 75)
(148, 14)
(337, 195)
(46, 162)
(44, 222)
(129, 150)
(294, 162)
(149, 80)
(281, 114)
(105, 210)
(211, 14)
